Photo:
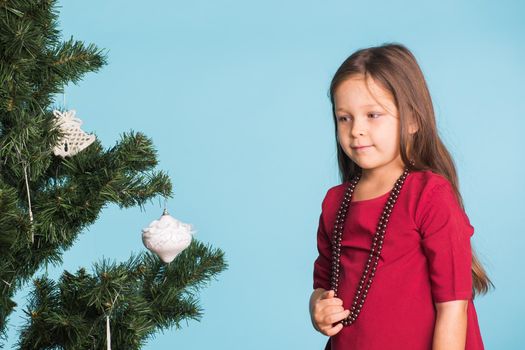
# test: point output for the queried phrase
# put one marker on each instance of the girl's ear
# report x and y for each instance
(412, 128)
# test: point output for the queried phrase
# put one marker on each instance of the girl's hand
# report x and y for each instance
(327, 310)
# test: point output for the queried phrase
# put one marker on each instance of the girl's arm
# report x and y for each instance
(450, 330)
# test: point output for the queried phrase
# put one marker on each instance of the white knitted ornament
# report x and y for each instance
(75, 139)
(167, 237)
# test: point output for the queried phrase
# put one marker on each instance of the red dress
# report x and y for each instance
(426, 258)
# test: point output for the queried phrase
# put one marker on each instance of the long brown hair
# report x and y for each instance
(395, 68)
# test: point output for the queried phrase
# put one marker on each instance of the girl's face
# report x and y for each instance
(368, 128)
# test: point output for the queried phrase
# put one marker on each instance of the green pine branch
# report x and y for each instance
(140, 296)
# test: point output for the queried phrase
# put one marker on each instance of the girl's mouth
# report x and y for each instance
(361, 147)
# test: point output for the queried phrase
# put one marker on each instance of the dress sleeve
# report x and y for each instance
(323, 261)
(445, 238)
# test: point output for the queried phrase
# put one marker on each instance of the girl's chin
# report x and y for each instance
(364, 164)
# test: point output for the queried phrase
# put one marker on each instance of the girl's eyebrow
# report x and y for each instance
(363, 106)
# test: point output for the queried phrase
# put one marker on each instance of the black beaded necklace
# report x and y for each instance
(374, 252)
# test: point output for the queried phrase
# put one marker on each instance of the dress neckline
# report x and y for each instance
(374, 199)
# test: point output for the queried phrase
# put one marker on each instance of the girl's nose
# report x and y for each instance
(358, 129)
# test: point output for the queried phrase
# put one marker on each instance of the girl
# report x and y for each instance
(397, 220)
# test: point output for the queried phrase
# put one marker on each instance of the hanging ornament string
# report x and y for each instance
(64, 107)
(29, 204)
(9, 284)
(25, 166)
(108, 328)
(108, 334)
(361, 291)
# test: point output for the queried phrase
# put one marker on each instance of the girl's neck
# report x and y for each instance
(375, 183)
(381, 178)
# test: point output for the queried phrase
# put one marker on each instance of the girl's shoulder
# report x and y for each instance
(334, 195)
(435, 203)
(426, 188)
(427, 181)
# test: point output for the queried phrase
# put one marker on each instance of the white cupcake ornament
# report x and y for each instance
(167, 237)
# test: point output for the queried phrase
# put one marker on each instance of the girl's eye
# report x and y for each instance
(345, 118)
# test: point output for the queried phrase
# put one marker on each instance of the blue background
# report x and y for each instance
(234, 95)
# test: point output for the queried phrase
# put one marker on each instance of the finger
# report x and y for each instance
(336, 317)
(334, 330)
(328, 306)
(328, 294)
(320, 315)
(332, 309)
(332, 301)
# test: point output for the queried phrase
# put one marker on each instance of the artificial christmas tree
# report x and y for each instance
(50, 194)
